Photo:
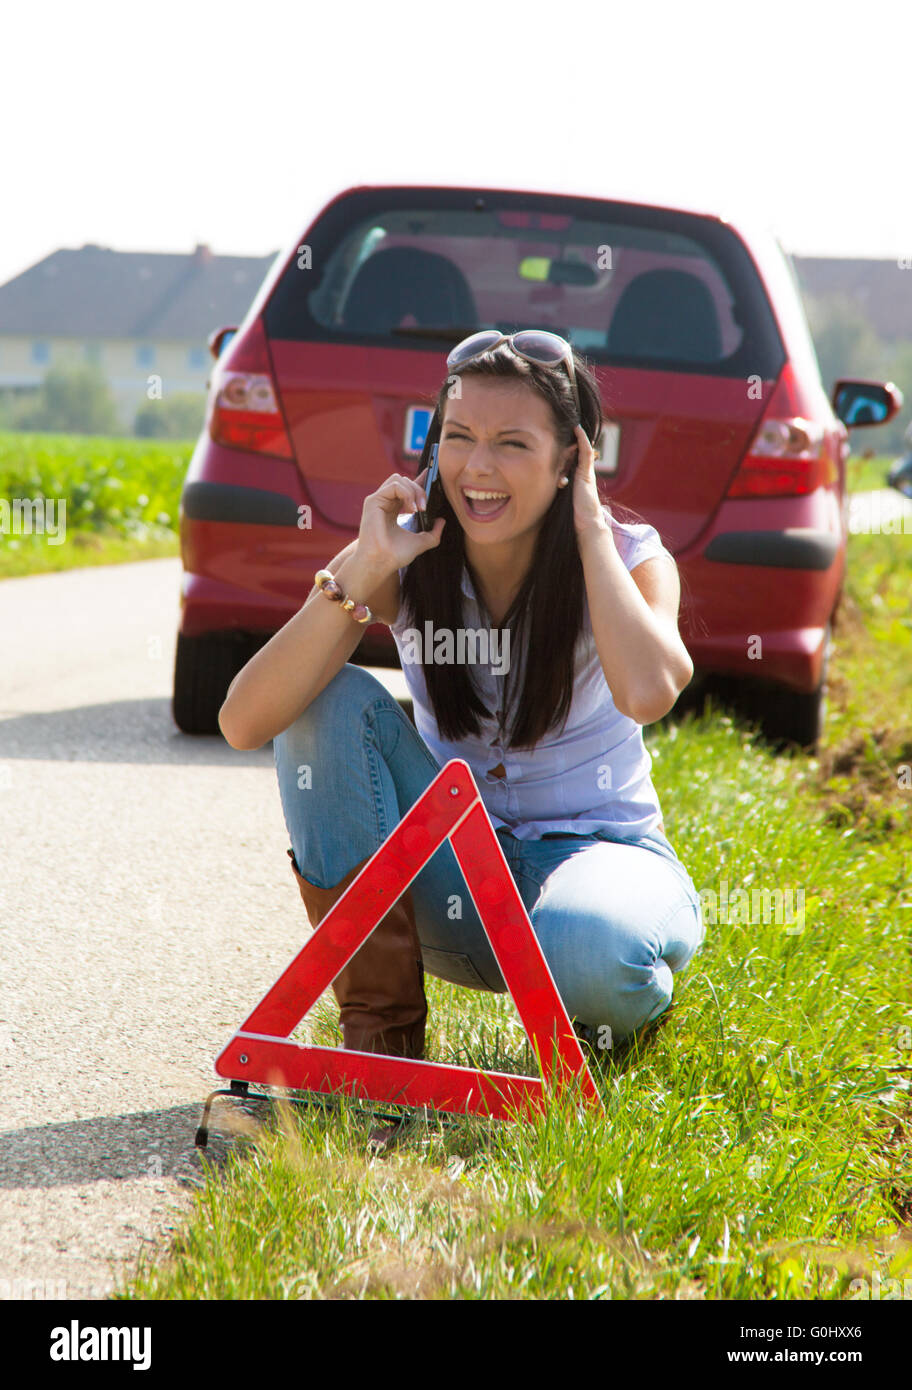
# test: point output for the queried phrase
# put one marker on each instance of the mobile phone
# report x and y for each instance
(424, 523)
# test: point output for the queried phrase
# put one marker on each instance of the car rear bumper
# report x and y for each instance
(799, 547)
(757, 603)
(203, 500)
(756, 600)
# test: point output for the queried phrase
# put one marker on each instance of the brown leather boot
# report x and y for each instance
(382, 1005)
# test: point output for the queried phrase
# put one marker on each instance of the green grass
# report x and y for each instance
(756, 1146)
(28, 555)
(121, 496)
(868, 474)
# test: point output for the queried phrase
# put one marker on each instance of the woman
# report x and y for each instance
(548, 717)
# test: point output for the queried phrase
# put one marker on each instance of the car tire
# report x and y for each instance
(204, 667)
(796, 717)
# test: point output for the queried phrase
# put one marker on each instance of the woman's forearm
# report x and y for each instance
(645, 663)
(295, 665)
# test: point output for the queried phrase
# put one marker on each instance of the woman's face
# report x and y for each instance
(498, 437)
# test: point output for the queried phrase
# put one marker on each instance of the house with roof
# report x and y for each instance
(143, 317)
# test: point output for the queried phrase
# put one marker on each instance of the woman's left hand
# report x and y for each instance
(587, 507)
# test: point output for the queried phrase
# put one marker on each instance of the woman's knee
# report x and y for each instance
(611, 972)
(625, 993)
(683, 934)
(333, 714)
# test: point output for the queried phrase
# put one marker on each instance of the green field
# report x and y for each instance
(755, 1146)
(121, 497)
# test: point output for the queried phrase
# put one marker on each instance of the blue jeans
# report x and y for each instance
(614, 917)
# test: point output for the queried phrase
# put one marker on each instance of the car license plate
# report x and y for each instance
(417, 423)
(608, 448)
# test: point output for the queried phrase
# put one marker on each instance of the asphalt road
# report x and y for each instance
(146, 904)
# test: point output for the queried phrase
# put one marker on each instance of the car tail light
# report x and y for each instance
(243, 407)
(786, 458)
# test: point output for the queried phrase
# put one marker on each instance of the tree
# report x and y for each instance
(847, 346)
(180, 416)
(75, 399)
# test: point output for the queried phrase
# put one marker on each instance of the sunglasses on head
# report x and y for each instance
(534, 344)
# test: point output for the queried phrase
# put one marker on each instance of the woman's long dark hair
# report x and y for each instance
(547, 613)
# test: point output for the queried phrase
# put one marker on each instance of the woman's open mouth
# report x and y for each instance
(484, 505)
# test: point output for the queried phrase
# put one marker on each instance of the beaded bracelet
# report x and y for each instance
(328, 586)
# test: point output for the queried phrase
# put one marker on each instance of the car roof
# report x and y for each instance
(739, 216)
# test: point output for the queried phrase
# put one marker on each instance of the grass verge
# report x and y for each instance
(75, 500)
(756, 1146)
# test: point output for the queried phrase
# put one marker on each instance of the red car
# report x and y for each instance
(719, 431)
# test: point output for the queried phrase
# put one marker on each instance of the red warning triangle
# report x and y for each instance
(262, 1052)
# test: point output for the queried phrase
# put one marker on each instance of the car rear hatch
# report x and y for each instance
(666, 306)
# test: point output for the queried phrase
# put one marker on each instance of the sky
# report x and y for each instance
(157, 127)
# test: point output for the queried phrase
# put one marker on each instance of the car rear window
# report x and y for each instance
(626, 285)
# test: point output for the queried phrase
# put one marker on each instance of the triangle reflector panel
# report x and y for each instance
(262, 1052)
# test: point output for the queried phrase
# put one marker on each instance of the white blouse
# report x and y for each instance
(594, 775)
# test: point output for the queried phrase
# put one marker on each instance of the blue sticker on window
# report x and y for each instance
(417, 424)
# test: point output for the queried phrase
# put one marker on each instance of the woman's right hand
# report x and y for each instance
(382, 542)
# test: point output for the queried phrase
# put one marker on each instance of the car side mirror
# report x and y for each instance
(858, 403)
(219, 339)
